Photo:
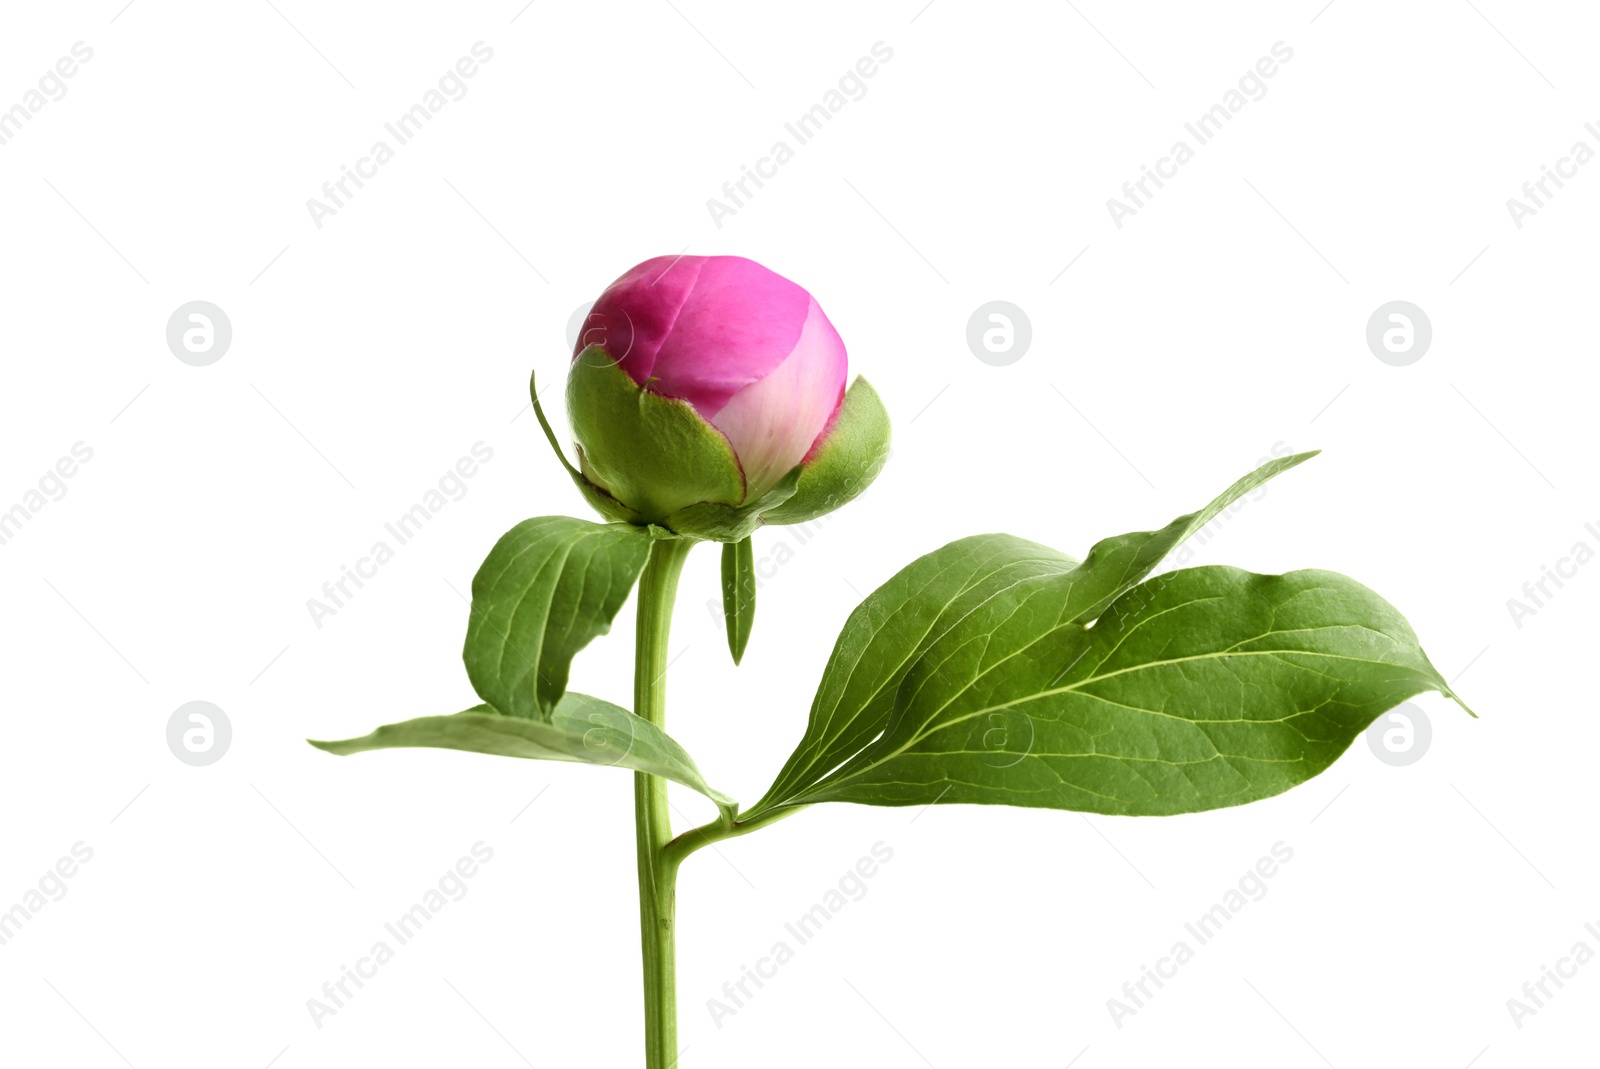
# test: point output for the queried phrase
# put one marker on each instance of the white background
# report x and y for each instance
(1224, 319)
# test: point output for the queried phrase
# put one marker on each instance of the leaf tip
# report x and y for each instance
(1294, 460)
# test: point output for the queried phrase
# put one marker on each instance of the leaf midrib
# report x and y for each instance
(1215, 655)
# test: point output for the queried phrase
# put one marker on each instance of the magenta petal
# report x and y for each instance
(739, 323)
(636, 313)
(699, 328)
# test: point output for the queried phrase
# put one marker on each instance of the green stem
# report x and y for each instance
(716, 831)
(658, 868)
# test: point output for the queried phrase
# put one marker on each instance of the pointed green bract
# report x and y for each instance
(582, 729)
(738, 594)
(547, 589)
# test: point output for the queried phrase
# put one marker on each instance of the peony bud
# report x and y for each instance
(707, 395)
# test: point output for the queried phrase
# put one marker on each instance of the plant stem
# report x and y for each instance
(658, 870)
(716, 831)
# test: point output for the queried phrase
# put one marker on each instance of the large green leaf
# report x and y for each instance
(1202, 688)
(548, 588)
(581, 729)
(996, 670)
(898, 622)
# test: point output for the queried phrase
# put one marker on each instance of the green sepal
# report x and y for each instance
(739, 594)
(598, 499)
(654, 455)
(851, 457)
(656, 451)
(716, 522)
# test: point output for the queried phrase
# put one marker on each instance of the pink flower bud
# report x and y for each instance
(707, 396)
(750, 350)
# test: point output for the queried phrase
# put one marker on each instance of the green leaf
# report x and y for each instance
(1115, 564)
(677, 471)
(581, 729)
(896, 624)
(1202, 688)
(887, 633)
(739, 594)
(547, 589)
(988, 624)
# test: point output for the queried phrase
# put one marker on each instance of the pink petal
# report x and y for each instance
(739, 323)
(773, 423)
(700, 328)
(635, 314)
